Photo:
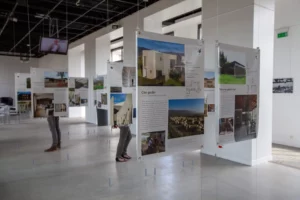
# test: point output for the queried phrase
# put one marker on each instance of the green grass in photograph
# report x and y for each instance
(172, 82)
(98, 87)
(229, 79)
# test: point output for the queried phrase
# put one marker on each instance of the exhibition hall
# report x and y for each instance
(149, 99)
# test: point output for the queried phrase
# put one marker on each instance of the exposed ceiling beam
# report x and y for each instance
(8, 18)
(36, 25)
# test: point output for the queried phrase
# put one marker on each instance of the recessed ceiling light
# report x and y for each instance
(28, 45)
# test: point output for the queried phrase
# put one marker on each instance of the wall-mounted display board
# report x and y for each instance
(78, 91)
(22, 92)
(49, 92)
(283, 85)
(170, 79)
(237, 93)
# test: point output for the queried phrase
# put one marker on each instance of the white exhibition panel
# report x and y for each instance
(22, 92)
(49, 92)
(170, 74)
(237, 93)
(78, 89)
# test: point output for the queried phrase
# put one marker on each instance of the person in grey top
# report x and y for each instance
(53, 123)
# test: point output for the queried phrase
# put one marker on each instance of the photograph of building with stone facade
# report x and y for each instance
(121, 109)
(160, 63)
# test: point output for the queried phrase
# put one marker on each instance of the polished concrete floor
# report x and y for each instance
(286, 156)
(85, 170)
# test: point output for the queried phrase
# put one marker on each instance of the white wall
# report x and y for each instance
(8, 67)
(54, 61)
(286, 64)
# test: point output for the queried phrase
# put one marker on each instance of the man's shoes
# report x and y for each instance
(58, 146)
(51, 149)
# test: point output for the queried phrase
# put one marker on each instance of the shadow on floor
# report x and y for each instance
(287, 156)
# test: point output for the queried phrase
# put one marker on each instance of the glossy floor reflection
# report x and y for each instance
(85, 169)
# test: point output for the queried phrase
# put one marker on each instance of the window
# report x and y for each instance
(170, 33)
(199, 32)
(117, 54)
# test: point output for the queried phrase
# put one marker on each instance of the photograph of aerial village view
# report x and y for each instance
(209, 80)
(186, 117)
(56, 79)
(232, 68)
(160, 63)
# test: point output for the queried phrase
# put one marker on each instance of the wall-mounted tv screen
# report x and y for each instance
(54, 45)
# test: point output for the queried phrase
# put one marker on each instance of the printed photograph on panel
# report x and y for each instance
(209, 80)
(186, 117)
(226, 126)
(28, 83)
(72, 100)
(232, 67)
(81, 83)
(283, 85)
(245, 117)
(128, 77)
(121, 108)
(211, 108)
(24, 101)
(56, 79)
(160, 63)
(116, 89)
(43, 104)
(99, 83)
(153, 142)
(61, 107)
(104, 98)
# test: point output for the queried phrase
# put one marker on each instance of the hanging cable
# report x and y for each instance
(66, 19)
(29, 36)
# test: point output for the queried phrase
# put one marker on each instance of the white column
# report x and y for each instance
(248, 23)
(90, 71)
(102, 54)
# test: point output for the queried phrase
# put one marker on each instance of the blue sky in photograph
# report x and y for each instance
(187, 104)
(118, 98)
(20, 93)
(209, 75)
(164, 47)
(54, 75)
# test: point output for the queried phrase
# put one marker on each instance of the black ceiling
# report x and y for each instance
(75, 19)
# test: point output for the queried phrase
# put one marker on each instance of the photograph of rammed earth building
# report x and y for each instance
(160, 63)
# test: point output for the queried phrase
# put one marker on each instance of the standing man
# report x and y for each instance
(53, 123)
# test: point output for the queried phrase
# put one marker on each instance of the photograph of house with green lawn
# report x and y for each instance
(232, 68)
(160, 63)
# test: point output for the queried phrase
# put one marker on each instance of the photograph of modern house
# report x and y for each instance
(121, 108)
(42, 104)
(81, 83)
(160, 63)
(209, 80)
(232, 71)
(98, 83)
(226, 126)
(129, 76)
(56, 79)
(104, 98)
(283, 85)
(186, 117)
(245, 117)
(153, 142)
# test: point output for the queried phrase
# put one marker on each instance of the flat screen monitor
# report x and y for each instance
(54, 45)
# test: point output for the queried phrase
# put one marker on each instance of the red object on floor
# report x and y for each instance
(220, 147)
